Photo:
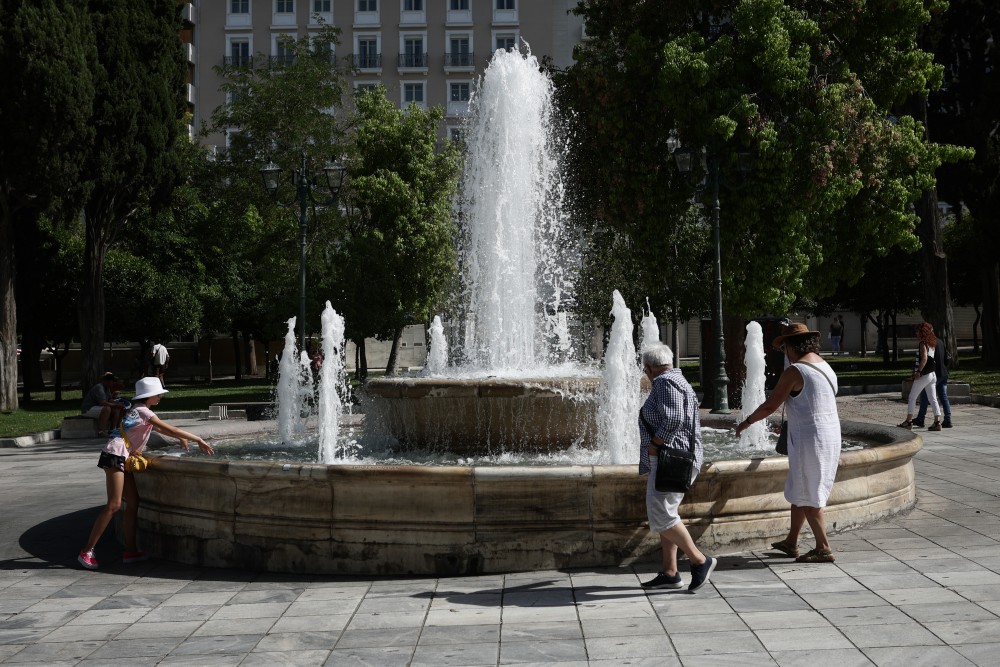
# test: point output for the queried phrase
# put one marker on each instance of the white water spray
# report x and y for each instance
(332, 383)
(516, 249)
(753, 388)
(650, 329)
(620, 392)
(437, 356)
(289, 396)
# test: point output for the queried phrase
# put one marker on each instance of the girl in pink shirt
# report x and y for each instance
(138, 423)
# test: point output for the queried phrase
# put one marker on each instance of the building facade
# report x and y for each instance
(424, 52)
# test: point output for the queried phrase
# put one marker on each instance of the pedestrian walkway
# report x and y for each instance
(922, 589)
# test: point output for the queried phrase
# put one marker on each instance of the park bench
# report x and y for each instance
(251, 411)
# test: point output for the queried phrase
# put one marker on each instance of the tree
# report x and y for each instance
(46, 96)
(807, 89)
(964, 111)
(283, 110)
(139, 77)
(397, 258)
(966, 256)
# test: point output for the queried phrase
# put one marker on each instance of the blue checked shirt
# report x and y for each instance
(671, 409)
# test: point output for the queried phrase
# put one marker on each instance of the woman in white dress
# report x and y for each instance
(808, 388)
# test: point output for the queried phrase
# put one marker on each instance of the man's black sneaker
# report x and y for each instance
(701, 573)
(663, 581)
(946, 423)
(919, 423)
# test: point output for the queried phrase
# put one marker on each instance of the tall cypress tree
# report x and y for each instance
(139, 100)
(46, 99)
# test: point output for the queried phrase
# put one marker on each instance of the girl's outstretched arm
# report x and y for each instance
(163, 427)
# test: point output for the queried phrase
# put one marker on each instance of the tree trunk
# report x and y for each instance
(390, 365)
(895, 337)
(977, 323)
(735, 330)
(59, 355)
(8, 313)
(90, 308)
(31, 365)
(863, 324)
(251, 355)
(936, 307)
(237, 357)
(362, 366)
(990, 325)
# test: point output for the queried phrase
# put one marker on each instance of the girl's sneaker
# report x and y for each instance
(87, 560)
(134, 557)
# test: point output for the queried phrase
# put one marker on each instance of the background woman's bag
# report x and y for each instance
(782, 446)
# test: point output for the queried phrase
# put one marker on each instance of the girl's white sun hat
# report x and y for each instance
(147, 387)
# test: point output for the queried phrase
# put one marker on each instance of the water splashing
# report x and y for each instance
(332, 383)
(437, 356)
(753, 389)
(289, 396)
(516, 249)
(650, 329)
(620, 395)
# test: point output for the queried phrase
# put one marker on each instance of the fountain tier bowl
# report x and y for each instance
(485, 414)
(295, 517)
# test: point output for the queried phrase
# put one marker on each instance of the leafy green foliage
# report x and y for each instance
(396, 259)
(806, 89)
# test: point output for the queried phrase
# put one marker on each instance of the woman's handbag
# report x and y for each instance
(674, 469)
(136, 463)
(782, 446)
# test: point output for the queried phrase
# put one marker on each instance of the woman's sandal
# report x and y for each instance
(786, 547)
(816, 556)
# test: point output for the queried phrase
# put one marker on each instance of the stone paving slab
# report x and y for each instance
(921, 589)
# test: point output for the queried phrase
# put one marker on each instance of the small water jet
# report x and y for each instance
(755, 437)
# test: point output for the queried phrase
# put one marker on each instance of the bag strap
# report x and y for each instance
(825, 376)
(124, 434)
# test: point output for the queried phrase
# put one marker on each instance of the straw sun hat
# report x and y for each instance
(791, 331)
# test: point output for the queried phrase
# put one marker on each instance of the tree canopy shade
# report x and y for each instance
(46, 98)
(807, 88)
(139, 76)
(396, 258)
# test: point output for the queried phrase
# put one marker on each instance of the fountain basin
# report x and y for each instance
(296, 517)
(483, 415)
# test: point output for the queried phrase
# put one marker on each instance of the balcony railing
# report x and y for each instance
(282, 59)
(461, 59)
(238, 61)
(367, 60)
(412, 60)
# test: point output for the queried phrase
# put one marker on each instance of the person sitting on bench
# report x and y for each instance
(99, 403)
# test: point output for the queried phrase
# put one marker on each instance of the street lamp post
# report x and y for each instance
(306, 185)
(683, 156)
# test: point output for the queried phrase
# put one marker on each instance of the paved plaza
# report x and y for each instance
(922, 589)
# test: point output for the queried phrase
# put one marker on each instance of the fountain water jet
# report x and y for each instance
(753, 387)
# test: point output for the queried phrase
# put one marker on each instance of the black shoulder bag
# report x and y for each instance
(674, 466)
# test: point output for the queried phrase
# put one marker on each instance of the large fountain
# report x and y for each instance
(512, 386)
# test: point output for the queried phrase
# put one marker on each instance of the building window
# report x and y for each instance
(367, 56)
(456, 134)
(239, 6)
(239, 53)
(322, 6)
(506, 42)
(413, 53)
(459, 92)
(459, 5)
(506, 4)
(284, 6)
(460, 54)
(367, 5)
(413, 5)
(413, 93)
(365, 87)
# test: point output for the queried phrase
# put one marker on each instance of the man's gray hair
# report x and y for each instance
(658, 355)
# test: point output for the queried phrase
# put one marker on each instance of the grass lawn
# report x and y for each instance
(44, 413)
